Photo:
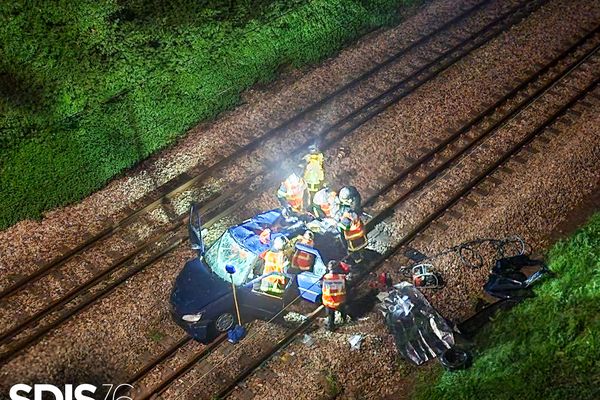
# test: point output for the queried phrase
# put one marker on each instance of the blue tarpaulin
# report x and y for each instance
(247, 233)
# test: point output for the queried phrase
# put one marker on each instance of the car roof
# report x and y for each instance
(247, 233)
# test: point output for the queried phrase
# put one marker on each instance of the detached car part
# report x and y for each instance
(420, 332)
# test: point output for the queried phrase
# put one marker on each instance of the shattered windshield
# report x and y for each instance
(227, 251)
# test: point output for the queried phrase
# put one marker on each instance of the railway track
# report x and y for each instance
(185, 181)
(580, 56)
(231, 385)
(30, 330)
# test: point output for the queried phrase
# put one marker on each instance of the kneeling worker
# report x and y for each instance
(275, 261)
(334, 292)
(324, 203)
(301, 260)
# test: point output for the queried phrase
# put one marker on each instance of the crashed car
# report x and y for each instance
(202, 298)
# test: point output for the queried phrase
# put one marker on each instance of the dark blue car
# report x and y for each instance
(202, 298)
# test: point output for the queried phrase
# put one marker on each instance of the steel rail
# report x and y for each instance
(184, 181)
(513, 92)
(201, 355)
(411, 235)
(511, 116)
(179, 238)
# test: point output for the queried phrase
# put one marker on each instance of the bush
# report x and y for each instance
(545, 348)
(89, 88)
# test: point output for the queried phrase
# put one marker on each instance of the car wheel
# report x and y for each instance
(224, 322)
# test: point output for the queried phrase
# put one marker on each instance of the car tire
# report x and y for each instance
(454, 359)
(224, 322)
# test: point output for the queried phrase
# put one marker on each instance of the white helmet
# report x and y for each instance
(293, 179)
(278, 243)
(345, 196)
(323, 196)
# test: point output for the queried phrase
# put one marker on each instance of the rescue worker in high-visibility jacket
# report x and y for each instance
(349, 198)
(275, 261)
(354, 233)
(293, 195)
(301, 260)
(314, 172)
(324, 203)
(334, 292)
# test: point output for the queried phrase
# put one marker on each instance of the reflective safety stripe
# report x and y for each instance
(314, 173)
(294, 195)
(313, 187)
(274, 262)
(334, 290)
(357, 244)
(301, 259)
(355, 233)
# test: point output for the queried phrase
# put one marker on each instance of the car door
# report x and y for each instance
(259, 304)
(195, 229)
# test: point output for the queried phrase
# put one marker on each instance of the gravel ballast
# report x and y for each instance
(29, 244)
(114, 337)
(530, 202)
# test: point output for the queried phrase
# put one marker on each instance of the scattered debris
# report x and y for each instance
(293, 316)
(424, 277)
(507, 279)
(308, 340)
(455, 359)
(420, 332)
(355, 341)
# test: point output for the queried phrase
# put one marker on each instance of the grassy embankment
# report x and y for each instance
(547, 347)
(89, 88)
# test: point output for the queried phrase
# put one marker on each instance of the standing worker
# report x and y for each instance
(354, 233)
(334, 292)
(275, 261)
(293, 195)
(349, 199)
(314, 172)
(302, 260)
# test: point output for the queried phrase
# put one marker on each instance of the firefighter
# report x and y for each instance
(349, 198)
(324, 203)
(334, 292)
(293, 195)
(275, 261)
(314, 173)
(302, 260)
(354, 233)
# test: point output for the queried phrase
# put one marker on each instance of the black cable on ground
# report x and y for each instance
(469, 254)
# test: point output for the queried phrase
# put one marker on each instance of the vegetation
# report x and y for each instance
(333, 387)
(89, 88)
(547, 347)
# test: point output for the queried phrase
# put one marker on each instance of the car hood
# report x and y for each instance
(196, 287)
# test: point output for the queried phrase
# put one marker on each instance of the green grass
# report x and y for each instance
(88, 88)
(547, 347)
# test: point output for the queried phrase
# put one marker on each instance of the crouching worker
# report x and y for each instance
(275, 261)
(301, 260)
(334, 292)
